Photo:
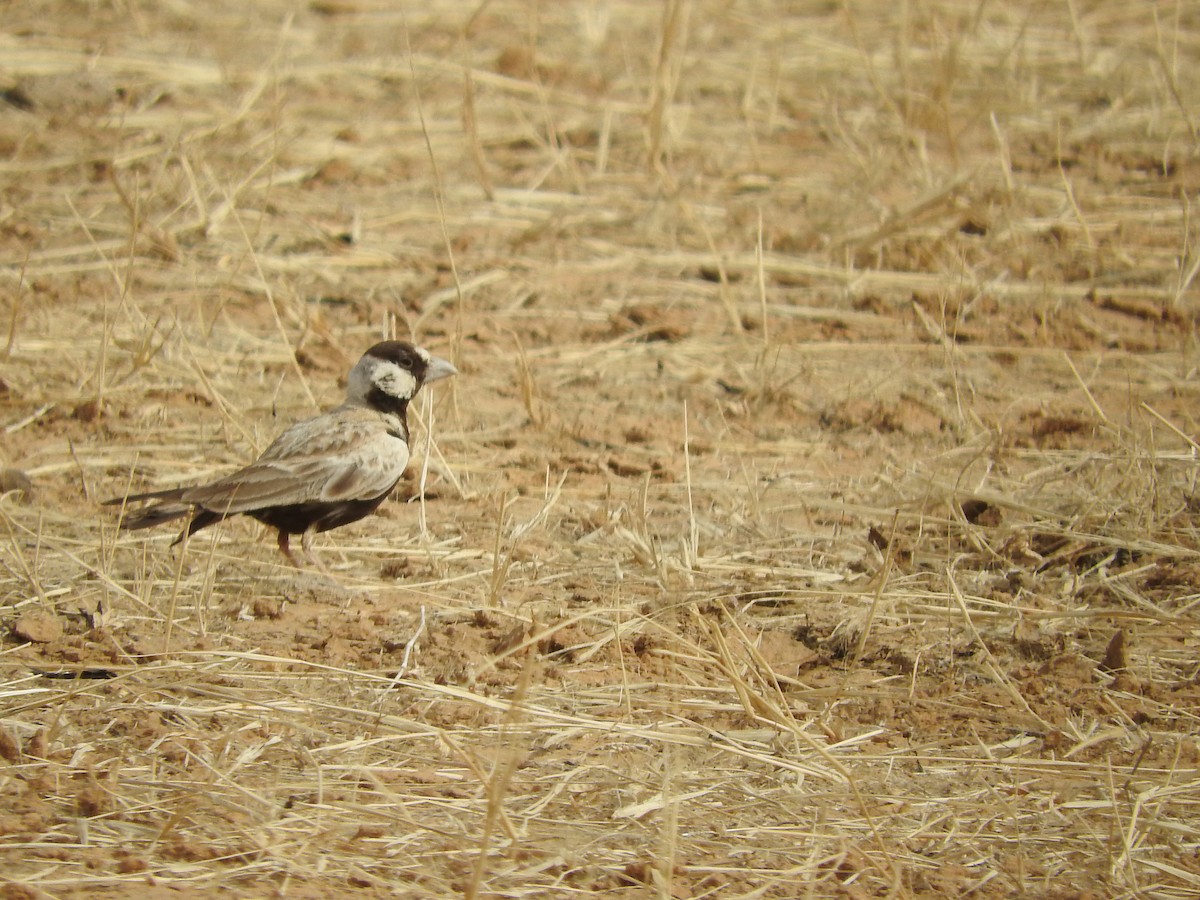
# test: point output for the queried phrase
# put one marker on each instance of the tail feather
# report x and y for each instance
(154, 515)
(168, 494)
(148, 516)
(171, 508)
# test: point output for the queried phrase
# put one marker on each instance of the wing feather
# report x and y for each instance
(347, 454)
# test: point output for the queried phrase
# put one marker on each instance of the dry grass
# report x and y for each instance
(815, 515)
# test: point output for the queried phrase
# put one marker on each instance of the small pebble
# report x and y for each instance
(16, 480)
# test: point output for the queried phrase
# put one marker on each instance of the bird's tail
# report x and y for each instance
(148, 516)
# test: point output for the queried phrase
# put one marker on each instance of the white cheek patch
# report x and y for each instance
(394, 381)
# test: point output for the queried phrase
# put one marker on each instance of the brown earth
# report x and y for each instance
(815, 513)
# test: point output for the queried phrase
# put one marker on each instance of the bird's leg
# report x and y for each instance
(306, 544)
(287, 551)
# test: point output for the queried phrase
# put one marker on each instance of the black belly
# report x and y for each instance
(298, 518)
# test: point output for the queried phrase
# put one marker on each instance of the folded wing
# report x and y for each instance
(347, 459)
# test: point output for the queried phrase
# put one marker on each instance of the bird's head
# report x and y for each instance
(390, 374)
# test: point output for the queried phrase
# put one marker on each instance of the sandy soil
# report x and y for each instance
(815, 513)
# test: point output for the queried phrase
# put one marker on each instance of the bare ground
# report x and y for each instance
(815, 514)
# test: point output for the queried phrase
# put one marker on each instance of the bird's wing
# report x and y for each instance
(338, 456)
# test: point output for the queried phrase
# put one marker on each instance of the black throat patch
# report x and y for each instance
(395, 406)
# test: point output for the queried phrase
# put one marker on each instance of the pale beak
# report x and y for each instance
(437, 369)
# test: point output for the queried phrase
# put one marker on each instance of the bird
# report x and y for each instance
(320, 473)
